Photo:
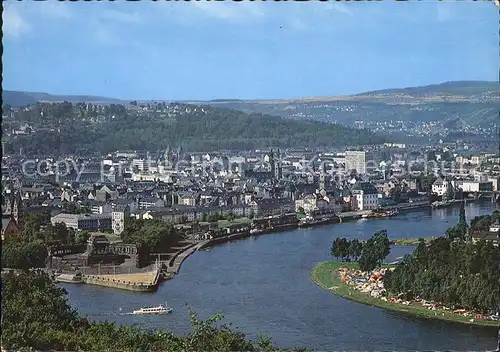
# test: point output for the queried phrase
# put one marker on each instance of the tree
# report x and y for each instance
(395, 193)
(368, 260)
(461, 230)
(33, 223)
(33, 306)
(344, 248)
(447, 156)
(17, 253)
(213, 217)
(81, 237)
(334, 249)
(382, 245)
(463, 227)
(154, 234)
(453, 233)
(426, 183)
(70, 208)
(60, 233)
(355, 249)
(376, 249)
(340, 248)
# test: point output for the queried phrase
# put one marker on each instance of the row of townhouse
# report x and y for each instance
(256, 208)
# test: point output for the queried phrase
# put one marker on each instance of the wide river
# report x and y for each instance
(262, 286)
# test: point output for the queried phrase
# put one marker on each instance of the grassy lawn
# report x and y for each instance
(237, 221)
(325, 275)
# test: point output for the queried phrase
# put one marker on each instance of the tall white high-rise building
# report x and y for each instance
(361, 162)
(119, 219)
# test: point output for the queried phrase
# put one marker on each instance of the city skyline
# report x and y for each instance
(270, 51)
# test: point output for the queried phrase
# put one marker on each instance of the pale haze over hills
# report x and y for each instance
(460, 91)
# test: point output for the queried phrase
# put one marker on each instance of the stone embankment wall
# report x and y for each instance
(123, 283)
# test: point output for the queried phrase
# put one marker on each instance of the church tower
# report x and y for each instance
(167, 157)
(277, 168)
(271, 162)
(179, 152)
(17, 208)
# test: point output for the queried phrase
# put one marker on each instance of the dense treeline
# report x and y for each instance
(30, 248)
(346, 250)
(156, 235)
(36, 316)
(18, 253)
(455, 273)
(369, 254)
(452, 270)
(71, 129)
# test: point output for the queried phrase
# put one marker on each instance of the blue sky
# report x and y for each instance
(206, 50)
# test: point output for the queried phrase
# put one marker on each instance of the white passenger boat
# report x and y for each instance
(76, 278)
(161, 309)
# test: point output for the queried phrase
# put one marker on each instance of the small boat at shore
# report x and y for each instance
(161, 309)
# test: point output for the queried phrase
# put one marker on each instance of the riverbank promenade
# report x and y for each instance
(178, 259)
(353, 214)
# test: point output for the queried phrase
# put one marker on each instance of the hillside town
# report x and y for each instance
(99, 194)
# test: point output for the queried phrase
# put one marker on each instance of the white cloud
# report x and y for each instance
(229, 11)
(120, 16)
(13, 24)
(104, 35)
(21, 18)
(342, 8)
(55, 10)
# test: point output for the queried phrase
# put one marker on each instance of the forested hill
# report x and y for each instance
(68, 128)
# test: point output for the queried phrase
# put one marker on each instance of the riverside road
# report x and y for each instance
(262, 286)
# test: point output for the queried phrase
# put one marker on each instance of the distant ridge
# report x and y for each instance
(457, 88)
(467, 88)
(17, 98)
(224, 100)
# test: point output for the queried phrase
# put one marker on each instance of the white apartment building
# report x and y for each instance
(473, 186)
(93, 222)
(141, 164)
(119, 217)
(366, 196)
